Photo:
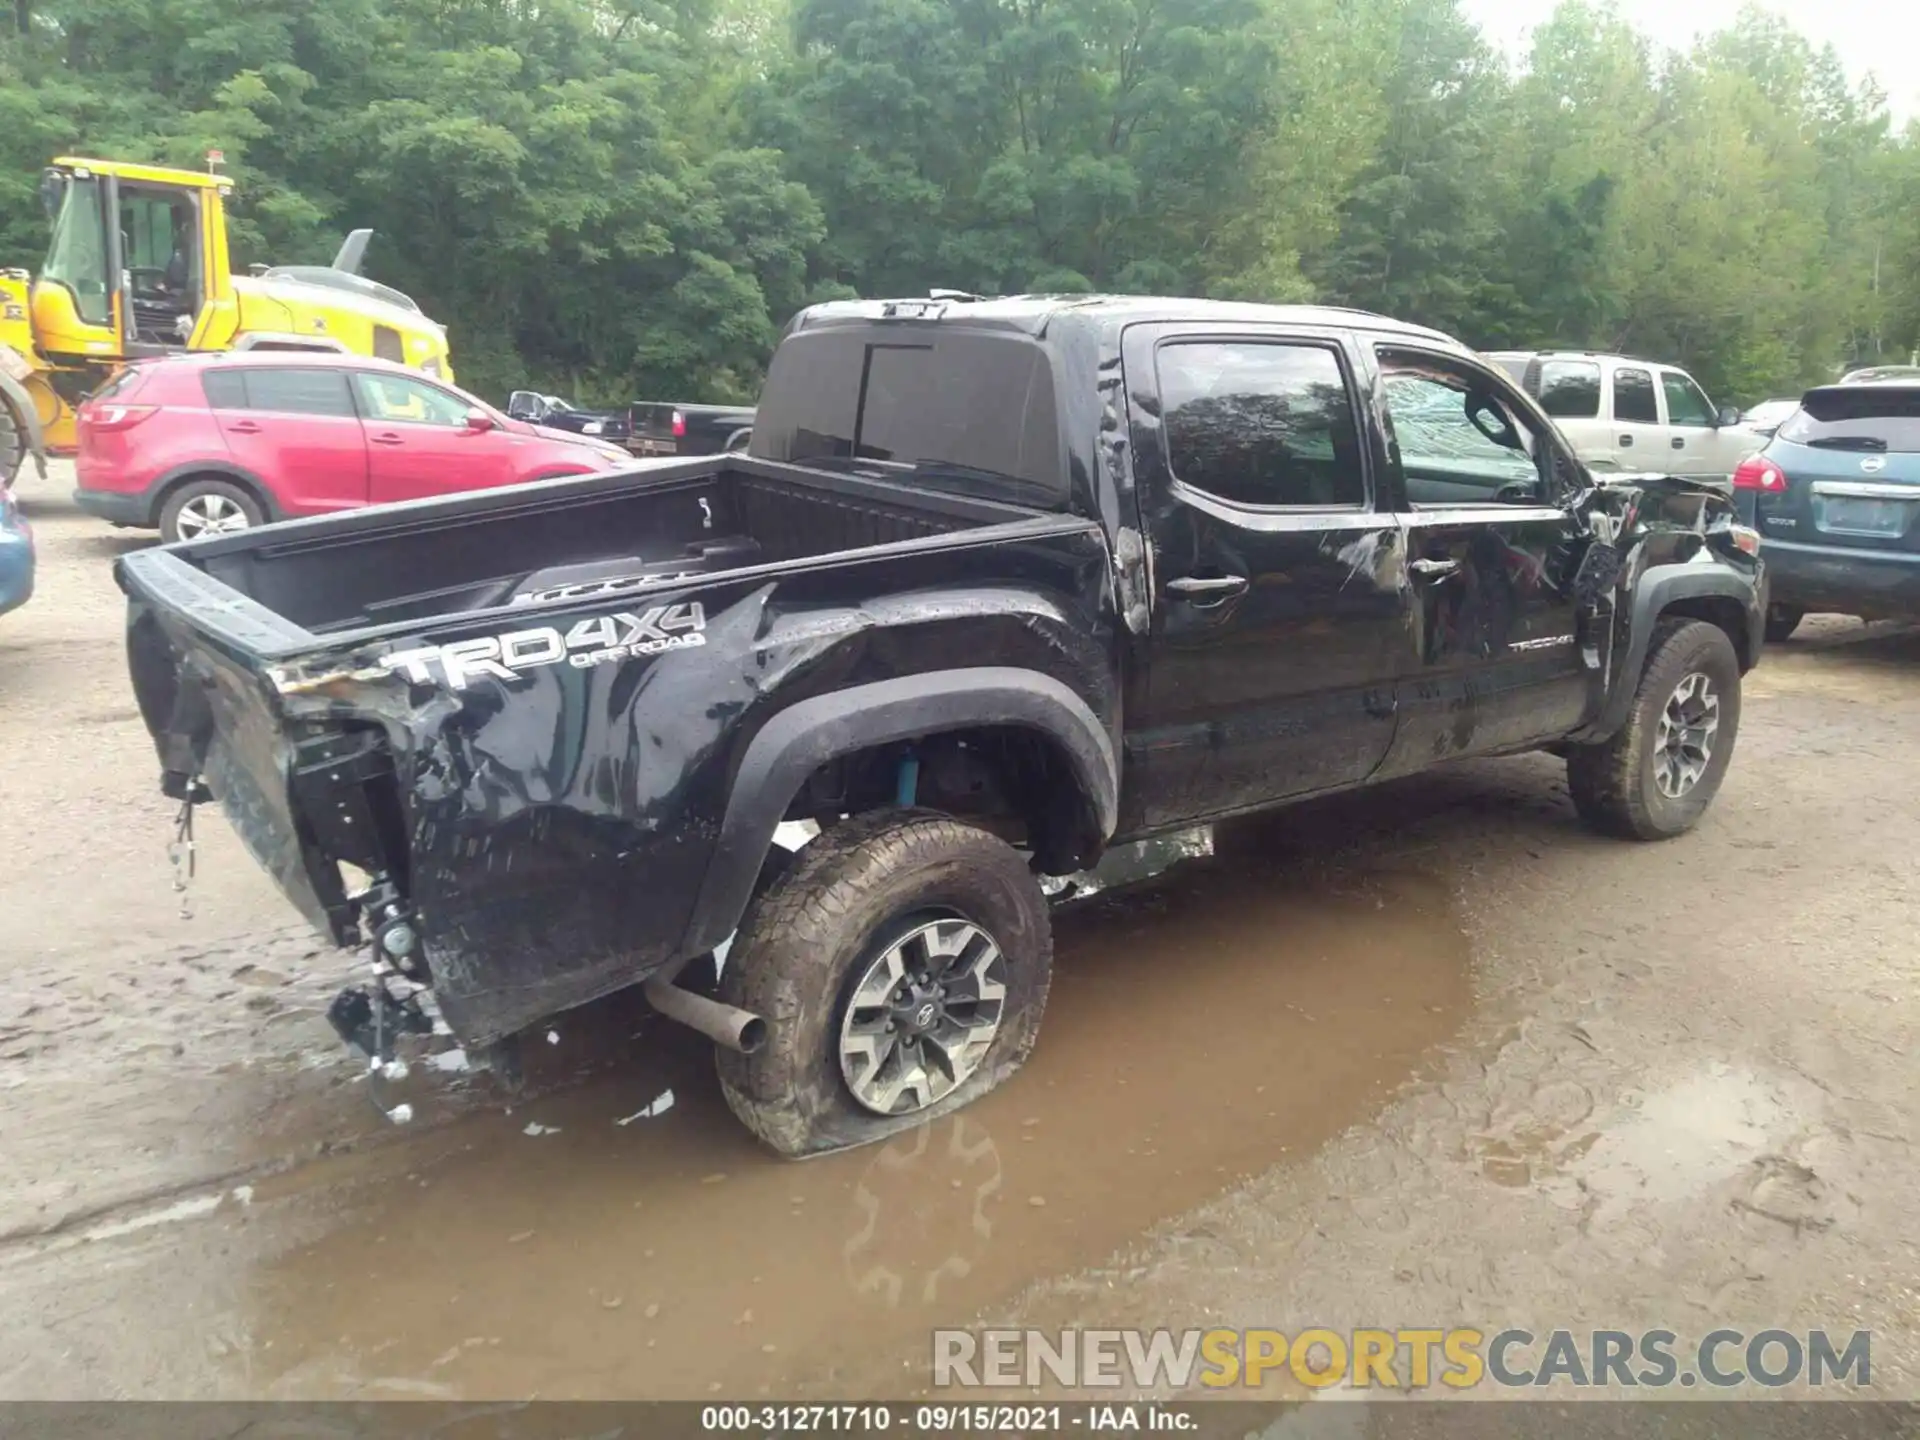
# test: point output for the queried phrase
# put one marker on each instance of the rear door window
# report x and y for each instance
(1633, 397)
(295, 392)
(1570, 389)
(1261, 423)
(1872, 421)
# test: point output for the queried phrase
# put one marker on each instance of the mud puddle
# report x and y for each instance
(628, 1238)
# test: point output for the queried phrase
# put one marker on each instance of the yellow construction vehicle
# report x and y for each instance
(138, 267)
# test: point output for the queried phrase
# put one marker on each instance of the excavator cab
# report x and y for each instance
(137, 263)
(138, 267)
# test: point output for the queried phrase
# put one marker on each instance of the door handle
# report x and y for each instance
(1679, 442)
(1435, 569)
(388, 439)
(1626, 442)
(1203, 592)
(243, 427)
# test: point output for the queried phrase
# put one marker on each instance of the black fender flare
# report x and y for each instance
(804, 736)
(1657, 591)
(215, 469)
(26, 415)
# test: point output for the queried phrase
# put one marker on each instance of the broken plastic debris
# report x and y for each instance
(451, 1061)
(400, 1114)
(535, 1128)
(662, 1103)
(243, 1193)
(395, 1070)
(553, 1037)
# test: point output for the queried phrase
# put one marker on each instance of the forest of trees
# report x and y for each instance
(621, 198)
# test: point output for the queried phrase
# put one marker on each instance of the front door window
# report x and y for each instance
(77, 256)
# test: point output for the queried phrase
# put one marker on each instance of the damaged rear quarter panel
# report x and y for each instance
(560, 822)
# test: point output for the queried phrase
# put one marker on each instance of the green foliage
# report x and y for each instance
(625, 198)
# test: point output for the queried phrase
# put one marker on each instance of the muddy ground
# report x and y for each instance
(1427, 1056)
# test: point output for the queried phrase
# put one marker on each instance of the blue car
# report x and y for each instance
(16, 554)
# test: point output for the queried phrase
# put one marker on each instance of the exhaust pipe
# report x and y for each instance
(726, 1025)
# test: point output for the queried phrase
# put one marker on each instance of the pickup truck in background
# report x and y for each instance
(670, 429)
(998, 585)
(1622, 414)
(615, 426)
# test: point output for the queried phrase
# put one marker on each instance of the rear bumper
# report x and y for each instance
(117, 506)
(1875, 584)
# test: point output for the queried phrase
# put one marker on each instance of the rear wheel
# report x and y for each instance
(205, 506)
(1655, 778)
(902, 965)
(1782, 621)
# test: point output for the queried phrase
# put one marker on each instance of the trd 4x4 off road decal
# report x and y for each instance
(585, 643)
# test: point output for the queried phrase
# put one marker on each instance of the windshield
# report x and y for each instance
(1869, 418)
(956, 410)
(77, 257)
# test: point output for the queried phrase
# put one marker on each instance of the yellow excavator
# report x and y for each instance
(138, 267)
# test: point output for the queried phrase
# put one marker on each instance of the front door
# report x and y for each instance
(1279, 602)
(1494, 658)
(419, 442)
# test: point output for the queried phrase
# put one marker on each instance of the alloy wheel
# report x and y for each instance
(1683, 747)
(922, 1016)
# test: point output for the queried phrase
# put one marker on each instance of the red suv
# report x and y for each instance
(207, 444)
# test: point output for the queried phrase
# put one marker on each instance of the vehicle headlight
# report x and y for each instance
(592, 427)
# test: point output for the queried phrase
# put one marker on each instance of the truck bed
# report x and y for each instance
(628, 534)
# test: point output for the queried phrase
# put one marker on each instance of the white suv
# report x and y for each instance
(1624, 414)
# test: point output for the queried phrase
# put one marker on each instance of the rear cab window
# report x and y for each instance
(906, 401)
(1261, 423)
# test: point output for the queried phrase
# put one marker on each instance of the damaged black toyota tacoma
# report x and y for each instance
(998, 585)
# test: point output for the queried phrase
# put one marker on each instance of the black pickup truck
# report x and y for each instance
(999, 584)
(659, 428)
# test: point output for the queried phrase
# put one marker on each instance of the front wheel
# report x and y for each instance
(1655, 778)
(902, 965)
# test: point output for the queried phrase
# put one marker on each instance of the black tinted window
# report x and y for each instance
(1633, 397)
(1868, 420)
(297, 392)
(1570, 389)
(1260, 424)
(226, 389)
(967, 411)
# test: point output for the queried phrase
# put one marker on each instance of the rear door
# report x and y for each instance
(1493, 658)
(296, 430)
(1571, 389)
(1638, 438)
(419, 443)
(1279, 601)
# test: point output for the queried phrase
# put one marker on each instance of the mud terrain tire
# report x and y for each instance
(1615, 785)
(809, 938)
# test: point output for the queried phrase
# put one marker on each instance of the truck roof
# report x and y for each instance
(1034, 314)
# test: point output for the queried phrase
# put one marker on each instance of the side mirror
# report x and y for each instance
(1727, 418)
(478, 421)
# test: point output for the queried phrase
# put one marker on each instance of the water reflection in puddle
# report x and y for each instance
(1202, 1026)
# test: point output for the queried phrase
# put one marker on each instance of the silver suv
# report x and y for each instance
(1620, 413)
